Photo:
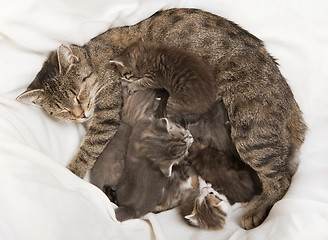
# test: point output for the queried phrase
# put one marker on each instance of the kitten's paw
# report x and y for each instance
(132, 88)
(254, 217)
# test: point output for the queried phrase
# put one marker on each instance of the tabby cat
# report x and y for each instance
(184, 76)
(267, 127)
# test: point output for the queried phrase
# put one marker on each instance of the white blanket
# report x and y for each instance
(41, 199)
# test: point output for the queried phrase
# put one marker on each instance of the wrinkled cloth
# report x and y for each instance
(41, 199)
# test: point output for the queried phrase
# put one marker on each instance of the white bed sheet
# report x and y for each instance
(41, 199)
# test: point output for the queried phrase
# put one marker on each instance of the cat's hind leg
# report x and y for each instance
(264, 145)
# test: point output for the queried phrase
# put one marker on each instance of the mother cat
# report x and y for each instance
(267, 127)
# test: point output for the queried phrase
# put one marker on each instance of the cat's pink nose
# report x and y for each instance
(79, 113)
(82, 115)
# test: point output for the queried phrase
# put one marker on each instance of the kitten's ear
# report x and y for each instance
(119, 65)
(165, 122)
(192, 219)
(66, 58)
(224, 206)
(30, 96)
(116, 63)
(166, 169)
(156, 104)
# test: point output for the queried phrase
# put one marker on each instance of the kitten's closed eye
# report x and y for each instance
(128, 76)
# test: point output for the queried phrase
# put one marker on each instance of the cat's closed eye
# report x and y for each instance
(77, 100)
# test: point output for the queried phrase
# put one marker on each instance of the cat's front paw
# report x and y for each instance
(254, 217)
(77, 170)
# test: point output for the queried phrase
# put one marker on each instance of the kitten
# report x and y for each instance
(237, 181)
(206, 208)
(214, 157)
(267, 126)
(184, 76)
(142, 186)
(139, 174)
(109, 166)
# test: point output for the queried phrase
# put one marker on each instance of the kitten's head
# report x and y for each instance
(165, 143)
(130, 63)
(65, 87)
(210, 210)
(124, 67)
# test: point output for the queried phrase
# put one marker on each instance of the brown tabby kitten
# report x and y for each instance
(185, 77)
(266, 122)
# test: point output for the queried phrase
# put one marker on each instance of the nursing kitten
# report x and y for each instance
(188, 80)
(214, 157)
(109, 167)
(237, 181)
(266, 123)
(154, 145)
(206, 208)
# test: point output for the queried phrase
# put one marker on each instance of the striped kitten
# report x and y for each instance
(206, 208)
(184, 76)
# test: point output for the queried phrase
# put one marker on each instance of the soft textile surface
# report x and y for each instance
(41, 199)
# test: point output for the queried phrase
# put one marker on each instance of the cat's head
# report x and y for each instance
(123, 67)
(165, 143)
(210, 210)
(128, 62)
(65, 87)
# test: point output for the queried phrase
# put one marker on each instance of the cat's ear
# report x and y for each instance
(156, 104)
(116, 63)
(119, 65)
(165, 122)
(224, 206)
(30, 96)
(166, 169)
(192, 219)
(66, 58)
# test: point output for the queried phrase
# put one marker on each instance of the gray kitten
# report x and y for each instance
(267, 126)
(154, 145)
(186, 78)
(214, 157)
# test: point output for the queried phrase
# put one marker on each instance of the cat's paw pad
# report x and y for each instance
(253, 218)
